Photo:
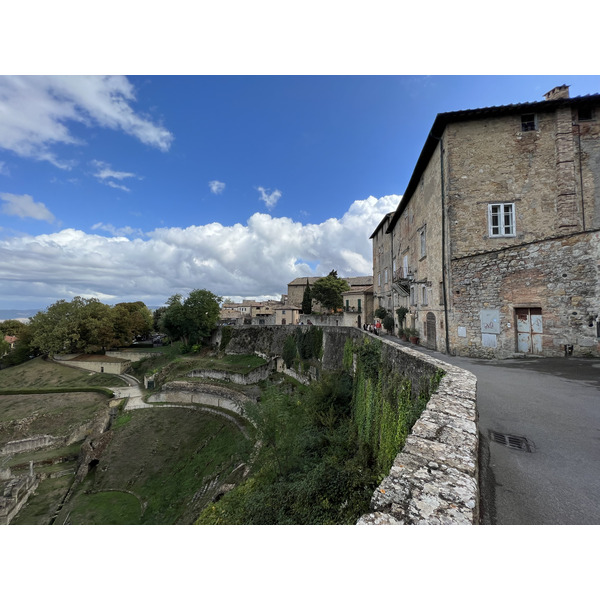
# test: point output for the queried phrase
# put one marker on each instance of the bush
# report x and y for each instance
(381, 312)
(289, 351)
(388, 322)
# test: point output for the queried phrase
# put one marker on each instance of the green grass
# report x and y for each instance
(42, 505)
(105, 508)
(165, 456)
(40, 374)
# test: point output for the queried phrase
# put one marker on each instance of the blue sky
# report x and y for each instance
(138, 187)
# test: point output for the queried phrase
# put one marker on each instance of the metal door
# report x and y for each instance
(529, 330)
(430, 331)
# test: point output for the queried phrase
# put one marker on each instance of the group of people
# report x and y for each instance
(373, 327)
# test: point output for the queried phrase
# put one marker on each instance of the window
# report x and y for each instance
(359, 305)
(379, 279)
(423, 242)
(501, 218)
(412, 295)
(424, 295)
(347, 305)
(442, 293)
(385, 273)
(528, 122)
(585, 114)
(393, 266)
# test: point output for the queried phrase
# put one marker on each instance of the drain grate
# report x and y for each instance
(516, 442)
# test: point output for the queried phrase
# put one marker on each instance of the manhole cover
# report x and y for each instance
(516, 442)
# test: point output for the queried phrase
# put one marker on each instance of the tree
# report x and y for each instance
(193, 319)
(388, 322)
(130, 320)
(156, 317)
(307, 299)
(22, 350)
(82, 325)
(381, 312)
(13, 327)
(4, 345)
(328, 291)
(57, 329)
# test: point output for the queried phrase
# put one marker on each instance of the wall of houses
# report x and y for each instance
(558, 277)
(539, 279)
(535, 292)
(383, 265)
(417, 238)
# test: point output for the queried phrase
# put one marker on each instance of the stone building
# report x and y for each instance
(358, 306)
(495, 245)
(296, 288)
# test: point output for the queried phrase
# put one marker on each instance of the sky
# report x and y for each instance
(130, 188)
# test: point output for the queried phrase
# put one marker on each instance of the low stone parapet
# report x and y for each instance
(434, 479)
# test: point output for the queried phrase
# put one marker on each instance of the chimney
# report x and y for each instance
(560, 91)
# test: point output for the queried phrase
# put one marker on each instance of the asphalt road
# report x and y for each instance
(554, 404)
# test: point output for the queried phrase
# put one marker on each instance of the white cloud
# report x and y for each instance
(255, 259)
(216, 187)
(4, 169)
(118, 231)
(105, 174)
(117, 186)
(35, 112)
(270, 199)
(25, 207)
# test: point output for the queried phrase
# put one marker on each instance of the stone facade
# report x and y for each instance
(296, 289)
(496, 237)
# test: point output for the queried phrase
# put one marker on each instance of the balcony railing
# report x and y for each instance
(403, 274)
(352, 309)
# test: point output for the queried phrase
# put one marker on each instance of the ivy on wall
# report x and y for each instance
(303, 348)
(384, 407)
(226, 335)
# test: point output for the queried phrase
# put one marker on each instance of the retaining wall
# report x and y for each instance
(189, 392)
(434, 479)
(259, 374)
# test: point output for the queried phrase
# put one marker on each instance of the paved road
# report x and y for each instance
(554, 403)
(133, 393)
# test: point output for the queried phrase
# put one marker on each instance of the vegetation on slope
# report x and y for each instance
(323, 449)
(39, 374)
(173, 460)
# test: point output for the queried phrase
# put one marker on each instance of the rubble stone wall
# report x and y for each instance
(561, 277)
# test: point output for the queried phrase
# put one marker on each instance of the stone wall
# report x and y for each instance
(434, 479)
(254, 376)
(131, 355)
(561, 277)
(28, 444)
(189, 392)
(15, 493)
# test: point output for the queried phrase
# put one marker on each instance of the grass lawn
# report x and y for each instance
(105, 508)
(39, 374)
(28, 415)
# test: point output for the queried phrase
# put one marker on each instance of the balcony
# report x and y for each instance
(401, 280)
